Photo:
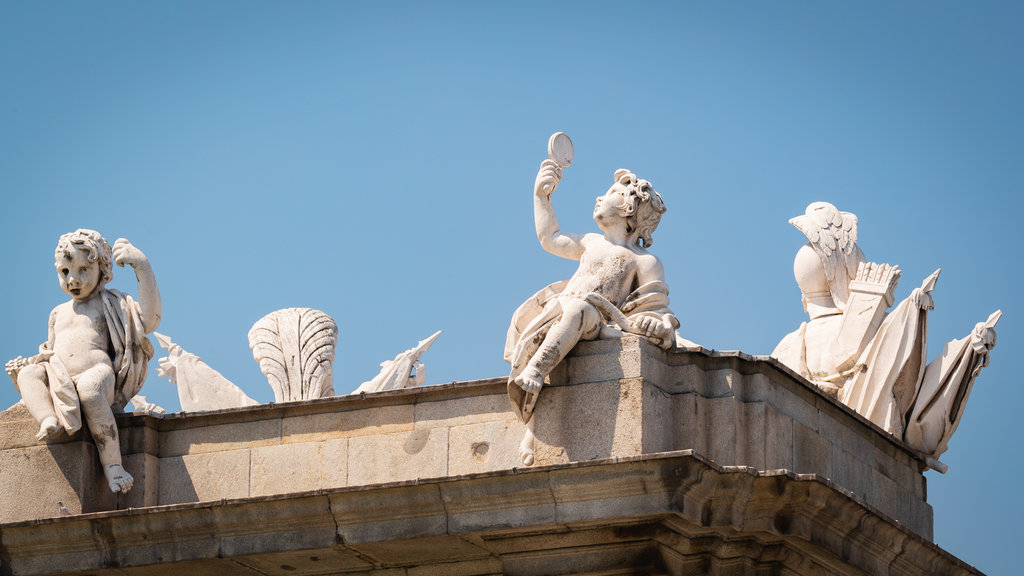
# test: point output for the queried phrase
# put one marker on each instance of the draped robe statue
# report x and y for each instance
(876, 362)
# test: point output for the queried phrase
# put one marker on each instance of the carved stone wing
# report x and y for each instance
(295, 350)
(833, 235)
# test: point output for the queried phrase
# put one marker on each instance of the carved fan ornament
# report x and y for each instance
(295, 350)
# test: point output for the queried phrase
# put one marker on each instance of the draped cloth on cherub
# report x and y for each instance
(132, 351)
(533, 319)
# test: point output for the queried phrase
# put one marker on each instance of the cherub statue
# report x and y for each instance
(618, 283)
(95, 355)
(872, 361)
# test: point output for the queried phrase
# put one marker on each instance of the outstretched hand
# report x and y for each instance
(125, 253)
(652, 327)
(548, 178)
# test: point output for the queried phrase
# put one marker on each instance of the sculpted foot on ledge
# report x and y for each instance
(526, 450)
(531, 380)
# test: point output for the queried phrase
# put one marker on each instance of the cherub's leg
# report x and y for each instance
(35, 393)
(526, 449)
(96, 391)
(579, 321)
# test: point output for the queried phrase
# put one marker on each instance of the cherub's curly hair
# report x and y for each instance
(641, 206)
(91, 242)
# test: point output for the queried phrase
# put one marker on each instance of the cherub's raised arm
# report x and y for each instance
(149, 294)
(550, 235)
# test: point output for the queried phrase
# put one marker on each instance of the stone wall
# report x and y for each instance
(608, 399)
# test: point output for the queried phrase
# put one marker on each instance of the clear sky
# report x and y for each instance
(375, 160)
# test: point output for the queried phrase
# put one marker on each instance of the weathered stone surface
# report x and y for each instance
(731, 408)
(204, 477)
(370, 421)
(283, 469)
(420, 453)
(666, 514)
(217, 437)
(483, 447)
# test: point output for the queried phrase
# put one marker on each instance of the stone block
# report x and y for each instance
(138, 435)
(275, 525)
(750, 434)
(482, 504)
(334, 463)
(588, 422)
(389, 514)
(684, 378)
(922, 518)
(794, 400)
(366, 421)
(144, 468)
(620, 558)
(656, 419)
(778, 440)
(811, 453)
(284, 469)
(484, 446)
(303, 563)
(480, 567)
(204, 477)
(843, 431)
(851, 473)
(463, 410)
(720, 382)
(420, 551)
(220, 437)
(33, 479)
(407, 455)
(689, 423)
(609, 493)
(720, 415)
(753, 387)
(17, 428)
(601, 361)
(891, 498)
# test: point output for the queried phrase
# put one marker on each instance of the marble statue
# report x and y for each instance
(295, 350)
(96, 353)
(873, 361)
(405, 371)
(199, 386)
(619, 285)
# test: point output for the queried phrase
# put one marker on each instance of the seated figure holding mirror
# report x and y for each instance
(618, 287)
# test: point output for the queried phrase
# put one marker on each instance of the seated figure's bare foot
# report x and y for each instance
(530, 380)
(48, 428)
(118, 479)
(526, 451)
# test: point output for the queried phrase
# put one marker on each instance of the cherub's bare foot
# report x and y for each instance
(118, 479)
(530, 380)
(526, 451)
(48, 428)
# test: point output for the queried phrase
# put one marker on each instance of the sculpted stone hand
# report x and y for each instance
(125, 253)
(653, 327)
(548, 178)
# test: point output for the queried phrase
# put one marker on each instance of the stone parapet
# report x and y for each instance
(671, 513)
(609, 399)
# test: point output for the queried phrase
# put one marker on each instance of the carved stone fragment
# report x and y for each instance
(295, 350)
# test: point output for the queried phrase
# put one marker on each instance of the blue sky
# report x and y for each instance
(376, 161)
